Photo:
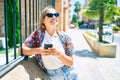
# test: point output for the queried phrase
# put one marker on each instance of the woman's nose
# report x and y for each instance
(54, 16)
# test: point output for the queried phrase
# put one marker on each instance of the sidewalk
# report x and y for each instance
(89, 65)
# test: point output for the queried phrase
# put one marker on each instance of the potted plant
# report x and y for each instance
(102, 49)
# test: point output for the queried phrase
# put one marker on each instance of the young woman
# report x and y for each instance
(57, 60)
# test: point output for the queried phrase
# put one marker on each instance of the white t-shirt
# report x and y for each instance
(51, 61)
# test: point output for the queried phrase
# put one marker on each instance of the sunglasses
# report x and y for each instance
(51, 15)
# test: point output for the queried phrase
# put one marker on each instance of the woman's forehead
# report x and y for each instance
(50, 10)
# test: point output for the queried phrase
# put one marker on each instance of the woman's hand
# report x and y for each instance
(55, 51)
(50, 51)
(45, 52)
(67, 60)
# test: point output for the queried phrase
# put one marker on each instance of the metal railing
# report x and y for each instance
(28, 19)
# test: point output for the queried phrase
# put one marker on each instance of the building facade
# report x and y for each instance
(62, 6)
(1, 18)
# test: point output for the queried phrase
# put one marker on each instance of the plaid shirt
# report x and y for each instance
(36, 38)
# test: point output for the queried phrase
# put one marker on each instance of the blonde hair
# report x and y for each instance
(42, 16)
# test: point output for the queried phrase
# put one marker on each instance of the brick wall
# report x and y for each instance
(63, 7)
(66, 12)
(23, 17)
(1, 0)
(1, 19)
(59, 8)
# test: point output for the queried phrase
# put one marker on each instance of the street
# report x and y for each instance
(91, 66)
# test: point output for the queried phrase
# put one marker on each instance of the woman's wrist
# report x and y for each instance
(37, 50)
(60, 54)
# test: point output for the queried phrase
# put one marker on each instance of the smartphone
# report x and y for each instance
(46, 46)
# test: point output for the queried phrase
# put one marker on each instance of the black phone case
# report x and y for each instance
(46, 46)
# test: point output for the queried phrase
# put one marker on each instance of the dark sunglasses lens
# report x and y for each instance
(56, 14)
(49, 14)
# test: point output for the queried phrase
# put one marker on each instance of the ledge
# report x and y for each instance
(103, 50)
(26, 70)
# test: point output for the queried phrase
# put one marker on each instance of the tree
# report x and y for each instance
(10, 14)
(77, 8)
(74, 18)
(101, 7)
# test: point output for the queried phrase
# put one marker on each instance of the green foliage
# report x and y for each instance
(17, 23)
(110, 10)
(3, 51)
(10, 16)
(74, 18)
(80, 22)
(91, 14)
(104, 9)
(10, 24)
(93, 3)
(76, 24)
(100, 3)
(17, 54)
(116, 28)
(77, 7)
(105, 42)
(91, 34)
(95, 37)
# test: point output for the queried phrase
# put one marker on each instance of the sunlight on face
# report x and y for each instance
(51, 22)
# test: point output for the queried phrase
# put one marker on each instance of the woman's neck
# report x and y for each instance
(51, 32)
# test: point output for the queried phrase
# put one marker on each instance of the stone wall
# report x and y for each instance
(26, 70)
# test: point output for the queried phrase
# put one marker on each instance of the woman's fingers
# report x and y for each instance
(54, 51)
(50, 51)
(46, 52)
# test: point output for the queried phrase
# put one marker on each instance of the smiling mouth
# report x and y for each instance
(54, 21)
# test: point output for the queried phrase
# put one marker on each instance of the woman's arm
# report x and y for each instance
(29, 51)
(67, 60)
